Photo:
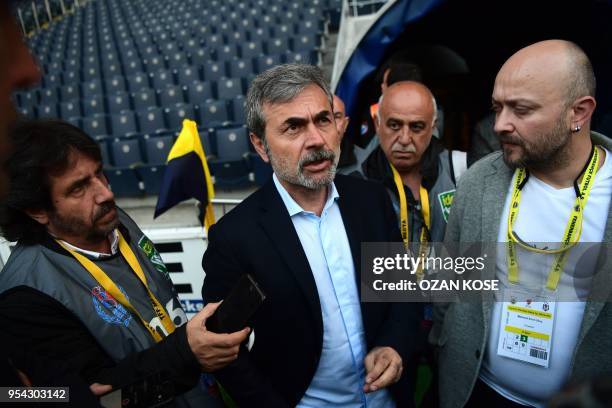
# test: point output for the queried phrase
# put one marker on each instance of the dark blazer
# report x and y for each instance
(258, 237)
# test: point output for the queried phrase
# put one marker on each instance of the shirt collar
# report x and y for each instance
(97, 255)
(293, 207)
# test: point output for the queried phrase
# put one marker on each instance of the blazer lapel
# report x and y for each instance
(276, 223)
(350, 219)
(495, 188)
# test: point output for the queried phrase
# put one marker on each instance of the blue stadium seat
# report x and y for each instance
(91, 89)
(151, 176)
(91, 73)
(118, 101)
(138, 81)
(213, 113)
(266, 62)
(28, 98)
(93, 105)
(52, 80)
(154, 63)
(125, 182)
(176, 60)
(171, 95)
(226, 52)
(106, 158)
(200, 57)
(70, 109)
(262, 171)
(283, 31)
(115, 84)
(49, 95)
(124, 124)
(230, 174)
(251, 49)
(240, 68)
(126, 152)
(260, 33)
(48, 110)
(132, 66)
(205, 139)
(69, 92)
(199, 92)
(229, 88)
(277, 46)
(71, 77)
(215, 40)
(152, 121)
(157, 148)
(187, 74)
(144, 98)
(213, 71)
(96, 126)
(176, 114)
(304, 57)
(232, 143)
(305, 42)
(237, 110)
(309, 26)
(161, 79)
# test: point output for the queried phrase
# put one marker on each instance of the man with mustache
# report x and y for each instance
(413, 164)
(299, 236)
(419, 174)
(550, 184)
(84, 285)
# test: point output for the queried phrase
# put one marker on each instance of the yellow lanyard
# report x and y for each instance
(102, 278)
(424, 198)
(573, 228)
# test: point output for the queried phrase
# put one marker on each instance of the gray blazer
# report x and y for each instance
(461, 330)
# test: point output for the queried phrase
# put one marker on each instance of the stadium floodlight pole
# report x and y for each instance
(35, 15)
(48, 8)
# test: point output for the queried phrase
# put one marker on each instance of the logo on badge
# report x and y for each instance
(446, 201)
(149, 249)
(108, 308)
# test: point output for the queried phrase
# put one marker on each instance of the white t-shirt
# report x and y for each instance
(543, 215)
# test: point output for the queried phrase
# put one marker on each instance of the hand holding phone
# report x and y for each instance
(238, 307)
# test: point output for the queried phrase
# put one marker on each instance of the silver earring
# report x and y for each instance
(577, 128)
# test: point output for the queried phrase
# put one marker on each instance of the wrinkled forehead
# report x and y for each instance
(407, 102)
(309, 102)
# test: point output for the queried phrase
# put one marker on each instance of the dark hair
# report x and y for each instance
(40, 148)
(405, 71)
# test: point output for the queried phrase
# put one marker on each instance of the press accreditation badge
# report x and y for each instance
(526, 328)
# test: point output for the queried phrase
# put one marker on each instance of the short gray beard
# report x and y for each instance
(297, 177)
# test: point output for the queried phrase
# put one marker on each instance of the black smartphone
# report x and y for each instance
(238, 307)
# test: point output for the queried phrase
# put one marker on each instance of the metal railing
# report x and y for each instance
(37, 14)
(364, 7)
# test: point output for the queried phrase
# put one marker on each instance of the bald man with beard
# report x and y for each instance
(551, 183)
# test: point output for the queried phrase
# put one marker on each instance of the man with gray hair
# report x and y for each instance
(315, 343)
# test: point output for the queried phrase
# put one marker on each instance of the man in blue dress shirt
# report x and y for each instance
(315, 343)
